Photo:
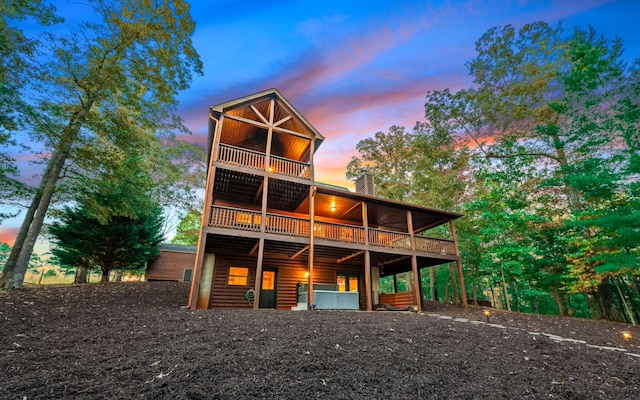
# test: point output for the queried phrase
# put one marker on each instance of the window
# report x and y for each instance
(347, 283)
(238, 276)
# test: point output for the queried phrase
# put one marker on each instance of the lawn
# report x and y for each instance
(136, 340)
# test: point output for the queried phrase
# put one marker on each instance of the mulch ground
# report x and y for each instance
(136, 340)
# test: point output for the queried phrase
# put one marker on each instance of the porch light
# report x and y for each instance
(487, 315)
(333, 207)
(306, 274)
(626, 335)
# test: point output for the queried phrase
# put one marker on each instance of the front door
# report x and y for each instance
(268, 289)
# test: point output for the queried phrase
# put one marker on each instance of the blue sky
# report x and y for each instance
(355, 67)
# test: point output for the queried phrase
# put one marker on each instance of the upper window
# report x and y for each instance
(238, 276)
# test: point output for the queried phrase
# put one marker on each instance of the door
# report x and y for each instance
(268, 289)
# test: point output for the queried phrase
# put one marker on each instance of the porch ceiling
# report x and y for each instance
(242, 189)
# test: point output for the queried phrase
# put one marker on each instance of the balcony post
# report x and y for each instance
(417, 285)
(367, 258)
(312, 212)
(463, 291)
(194, 292)
(258, 283)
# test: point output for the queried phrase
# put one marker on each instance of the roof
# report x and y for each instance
(177, 248)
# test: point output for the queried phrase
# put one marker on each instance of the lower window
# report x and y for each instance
(238, 276)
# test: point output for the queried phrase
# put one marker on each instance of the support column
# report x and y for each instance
(367, 258)
(312, 213)
(194, 292)
(463, 291)
(258, 286)
(206, 281)
(417, 285)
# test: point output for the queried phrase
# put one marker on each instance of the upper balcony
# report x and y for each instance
(380, 239)
(252, 159)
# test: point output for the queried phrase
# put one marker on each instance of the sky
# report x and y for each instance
(353, 67)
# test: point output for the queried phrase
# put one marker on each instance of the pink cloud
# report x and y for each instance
(8, 235)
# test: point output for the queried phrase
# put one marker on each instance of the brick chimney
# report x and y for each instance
(364, 184)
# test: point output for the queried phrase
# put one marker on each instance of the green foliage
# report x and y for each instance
(5, 249)
(122, 243)
(188, 229)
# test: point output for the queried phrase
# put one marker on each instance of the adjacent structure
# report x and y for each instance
(273, 237)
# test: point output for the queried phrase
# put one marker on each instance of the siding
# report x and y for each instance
(169, 266)
(288, 274)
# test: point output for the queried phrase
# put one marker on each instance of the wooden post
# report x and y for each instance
(194, 293)
(463, 291)
(367, 258)
(417, 285)
(312, 212)
(258, 283)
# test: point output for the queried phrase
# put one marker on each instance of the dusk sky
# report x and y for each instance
(353, 68)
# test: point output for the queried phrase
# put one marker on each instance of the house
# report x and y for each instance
(174, 263)
(273, 237)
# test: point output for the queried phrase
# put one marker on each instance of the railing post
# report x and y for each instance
(463, 290)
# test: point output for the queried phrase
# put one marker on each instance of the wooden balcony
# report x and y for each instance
(256, 160)
(248, 220)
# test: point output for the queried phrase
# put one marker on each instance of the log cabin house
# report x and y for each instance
(273, 237)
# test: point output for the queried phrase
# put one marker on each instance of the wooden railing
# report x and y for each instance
(431, 245)
(284, 166)
(285, 225)
(248, 220)
(254, 159)
(236, 218)
(339, 232)
(398, 240)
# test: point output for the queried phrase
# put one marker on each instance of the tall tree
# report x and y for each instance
(17, 65)
(188, 229)
(130, 65)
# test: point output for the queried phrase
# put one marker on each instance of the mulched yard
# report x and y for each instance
(136, 340)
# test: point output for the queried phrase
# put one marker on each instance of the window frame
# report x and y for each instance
(236, 276)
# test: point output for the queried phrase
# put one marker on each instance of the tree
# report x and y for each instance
(558, 115)
(188, 229)
(122, 243)
(16, 66)
(130, 66)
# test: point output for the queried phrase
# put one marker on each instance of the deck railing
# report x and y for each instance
(286, 225)
(398, 240)
(284, 166)
(237, 156)
(236, 218)
(248, 220)
(339, 232)
(432, 245)
(256, 160)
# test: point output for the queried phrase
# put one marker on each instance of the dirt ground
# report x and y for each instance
(136, 340)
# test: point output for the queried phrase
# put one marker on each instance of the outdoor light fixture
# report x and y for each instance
(333, 208)
(487, 314)
(306, 274)
(626, 335)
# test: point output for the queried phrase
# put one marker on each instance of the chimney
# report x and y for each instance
(364, 184)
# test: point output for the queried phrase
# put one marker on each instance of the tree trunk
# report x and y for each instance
(494, 300)
(19, 242)
(624, 302)
(81, 275)
(454, 286)
(474, 287)
(432, 283)
(14, 273)
(41, 276)
(557, 296)
(105, 276)
(534, 301)
(608, 305)
(504, 289)
(118, 277)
